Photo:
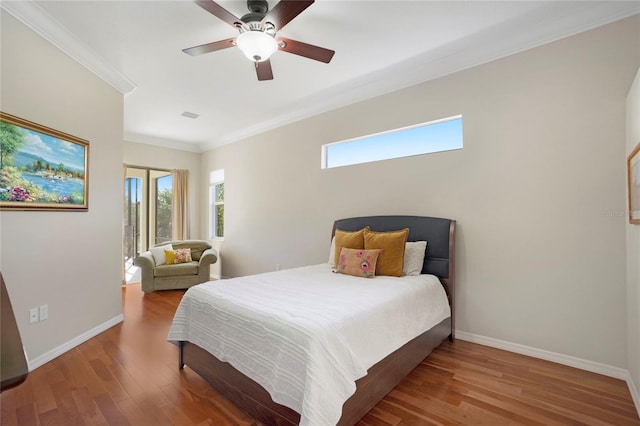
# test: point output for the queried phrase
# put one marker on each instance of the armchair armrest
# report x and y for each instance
(147, 264)
(145, 260)
(209, 257)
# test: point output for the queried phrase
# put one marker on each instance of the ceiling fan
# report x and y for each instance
(258, 29)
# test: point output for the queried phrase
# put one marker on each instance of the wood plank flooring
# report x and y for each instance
(129, 375)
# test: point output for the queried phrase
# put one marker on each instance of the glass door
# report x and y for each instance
(160, 207)
(148, 203)
(135, 221)
(132, 208)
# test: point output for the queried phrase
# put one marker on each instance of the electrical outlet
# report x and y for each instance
(43, 312)
(277, 266)
(33, 315)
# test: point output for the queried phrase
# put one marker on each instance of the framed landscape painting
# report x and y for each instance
(41, 168)
(633, 174)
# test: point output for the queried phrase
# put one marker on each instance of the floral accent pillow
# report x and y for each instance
(182, 255)
(357, 262)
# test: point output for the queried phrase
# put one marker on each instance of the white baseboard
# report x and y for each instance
(634, 393)
(583, 364)
(571, 361)
(56, 352)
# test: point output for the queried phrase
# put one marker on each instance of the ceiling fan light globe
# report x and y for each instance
(258, 46)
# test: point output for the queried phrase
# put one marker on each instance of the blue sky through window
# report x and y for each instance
(165, 182)
(435, 136)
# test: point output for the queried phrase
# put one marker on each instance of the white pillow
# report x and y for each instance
(158, 254)
(414, 257)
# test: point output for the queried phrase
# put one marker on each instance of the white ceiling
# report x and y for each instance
(381, 46)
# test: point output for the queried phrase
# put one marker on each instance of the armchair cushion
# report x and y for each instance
(177, 269)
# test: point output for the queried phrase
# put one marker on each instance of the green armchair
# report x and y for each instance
(180, 275)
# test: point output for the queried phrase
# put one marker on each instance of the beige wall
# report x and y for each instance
(68, 260)
(536, 189)
(633, 252)
(151, 156)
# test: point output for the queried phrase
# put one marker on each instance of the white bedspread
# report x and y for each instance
(306, 334)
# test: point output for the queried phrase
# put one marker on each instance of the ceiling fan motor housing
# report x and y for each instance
(253, 25)
(257, 10)
(252, 18)
(258, 6)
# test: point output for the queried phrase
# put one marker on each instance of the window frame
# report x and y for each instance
(156, 176)
(216, 178)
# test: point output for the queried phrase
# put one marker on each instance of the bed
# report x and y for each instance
(314, 368)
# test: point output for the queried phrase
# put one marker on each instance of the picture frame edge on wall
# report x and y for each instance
(633, 189)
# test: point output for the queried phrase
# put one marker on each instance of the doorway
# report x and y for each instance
(147, 214)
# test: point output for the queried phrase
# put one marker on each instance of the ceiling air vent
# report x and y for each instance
(190, 114)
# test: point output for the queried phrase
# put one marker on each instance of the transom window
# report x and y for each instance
(425, 138)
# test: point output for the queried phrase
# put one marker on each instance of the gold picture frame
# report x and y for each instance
(41, 168)
(633, 184)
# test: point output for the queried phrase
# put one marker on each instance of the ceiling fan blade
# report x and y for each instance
(263, 69)
(219, 11)
(285, 11)
(210, 47)
(307, 50)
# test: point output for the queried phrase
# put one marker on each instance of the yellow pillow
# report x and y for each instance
(391, 260)
(352, 240)
(170, 255)
(358, 262)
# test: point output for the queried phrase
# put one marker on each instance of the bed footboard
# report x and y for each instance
(245, 393)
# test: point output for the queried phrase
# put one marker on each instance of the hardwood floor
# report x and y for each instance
(129, 375)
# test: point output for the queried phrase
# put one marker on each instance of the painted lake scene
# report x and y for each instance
(41, 168)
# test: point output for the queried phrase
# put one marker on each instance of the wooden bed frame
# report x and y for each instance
(383, 376)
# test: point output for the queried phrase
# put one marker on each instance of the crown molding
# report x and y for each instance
(161, 142)
(34, 17)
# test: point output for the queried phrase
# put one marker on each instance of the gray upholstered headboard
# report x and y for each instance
(439, 234)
